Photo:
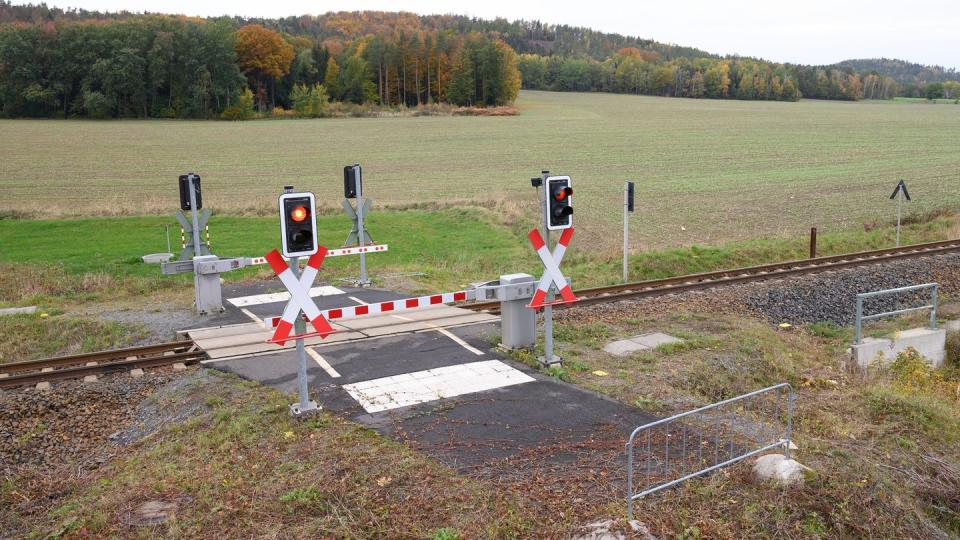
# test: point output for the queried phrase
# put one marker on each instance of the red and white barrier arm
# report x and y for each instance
(339, 252)
(392, 306)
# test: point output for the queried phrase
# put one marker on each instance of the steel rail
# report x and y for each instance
(101, 356)
(707, 280)
(72, 372)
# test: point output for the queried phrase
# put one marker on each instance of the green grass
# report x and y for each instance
(451, 247)
(26, 337)
(721, 170)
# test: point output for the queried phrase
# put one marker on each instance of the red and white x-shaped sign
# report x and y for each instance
(551, 265)
(299, 295)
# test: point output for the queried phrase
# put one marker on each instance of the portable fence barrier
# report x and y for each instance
(700, 441)
(932, 306)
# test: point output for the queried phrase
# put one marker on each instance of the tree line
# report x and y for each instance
(166, 66)
(635, 71)
(57, 62)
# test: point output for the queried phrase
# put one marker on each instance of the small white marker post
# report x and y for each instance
(627, 208)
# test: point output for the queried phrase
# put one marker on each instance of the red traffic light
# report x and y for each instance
(562, 193)
(299, 214)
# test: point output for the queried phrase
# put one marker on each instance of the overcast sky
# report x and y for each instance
(811, 32)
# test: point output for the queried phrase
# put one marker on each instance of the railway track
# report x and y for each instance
(165, 354)
(751, 274)
(98, 363)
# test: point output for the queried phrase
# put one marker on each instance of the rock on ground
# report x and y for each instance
(781, 470)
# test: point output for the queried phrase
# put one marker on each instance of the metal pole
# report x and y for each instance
(899, 199)
(166, 229)
(300, 327)
(361, 231)
(630, 479)
(813, 242)
(933, 310)
(193, 214)
(626, 231)
(859, 322)
(790, 396)
(547, 310)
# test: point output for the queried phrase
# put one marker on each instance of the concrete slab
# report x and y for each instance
(468, 425)
(18, 310)
(251, 338)
(156, 258)
(624, 347)
(643, 342)
(655, 339)
(929, 343)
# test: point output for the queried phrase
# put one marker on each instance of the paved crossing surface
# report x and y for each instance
(431, 377)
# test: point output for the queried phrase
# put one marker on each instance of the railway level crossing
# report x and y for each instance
(361, 319)
(418, 368)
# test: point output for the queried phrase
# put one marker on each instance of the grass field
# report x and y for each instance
(721, 170)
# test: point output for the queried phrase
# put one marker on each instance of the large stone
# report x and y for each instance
(605, 530)
(778, 468)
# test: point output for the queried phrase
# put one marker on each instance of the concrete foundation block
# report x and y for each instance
(644, 342)
(136, 373)
(43, 386)
(179, 366)
(655, 339)
(18, 310)
(624, 347)
(90, 379)
(929, 343)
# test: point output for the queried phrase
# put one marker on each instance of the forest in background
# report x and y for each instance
(67, 63)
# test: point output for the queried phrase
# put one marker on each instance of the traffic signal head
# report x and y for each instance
(559, 203)
(298, 224)
(351, 181)
(185, 191)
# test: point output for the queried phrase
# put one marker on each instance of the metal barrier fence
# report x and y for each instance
(697, 442)
(932, 306)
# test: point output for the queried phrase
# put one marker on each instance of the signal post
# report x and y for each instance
(298, 237)
(557, 202)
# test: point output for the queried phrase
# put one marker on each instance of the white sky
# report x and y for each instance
(811, 32)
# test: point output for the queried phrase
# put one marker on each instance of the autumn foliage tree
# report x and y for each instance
(263, 55)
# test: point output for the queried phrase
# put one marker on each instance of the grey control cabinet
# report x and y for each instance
(518, 323)
(208, 296)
